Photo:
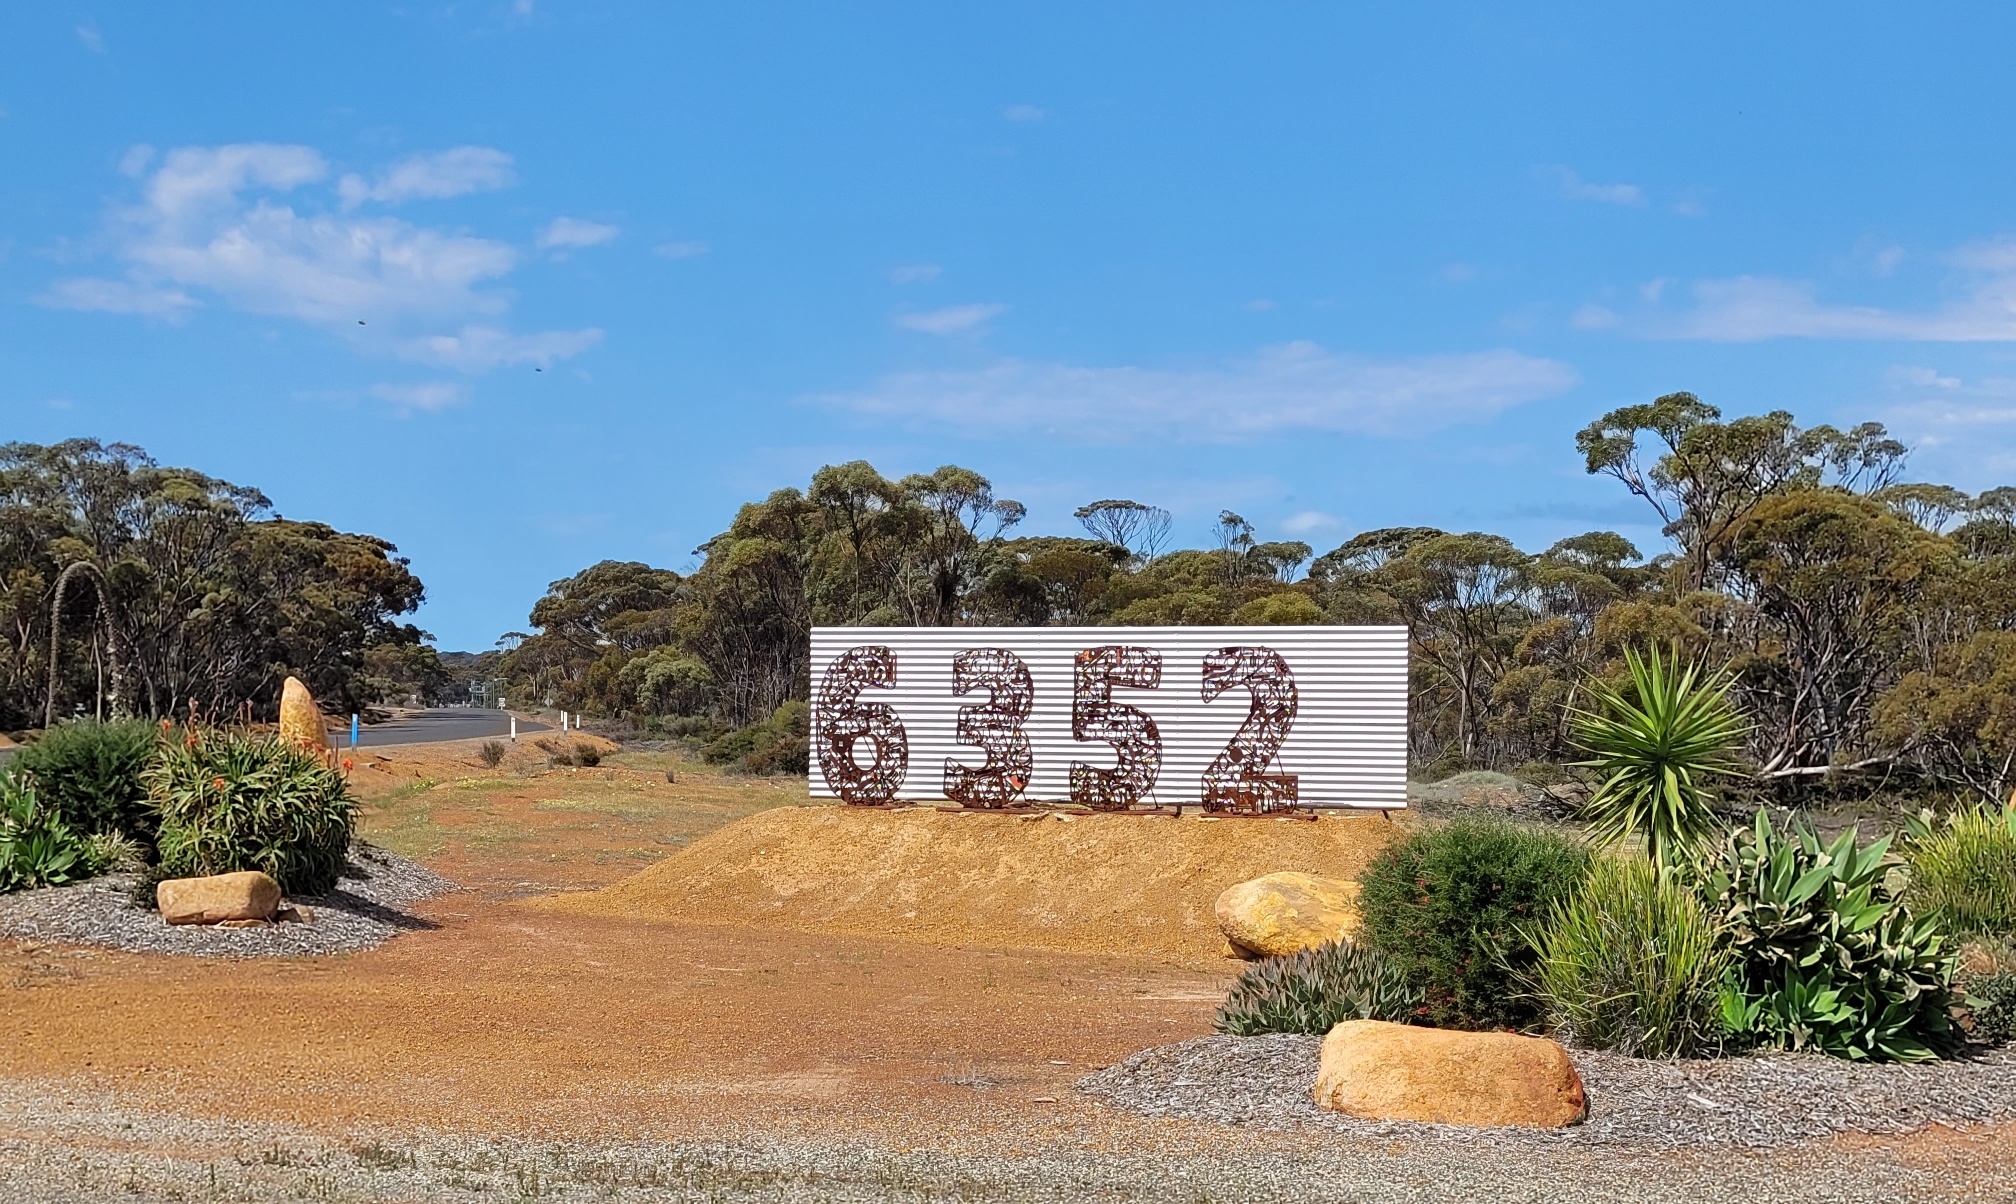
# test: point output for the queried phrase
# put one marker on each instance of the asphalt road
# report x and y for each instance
(430, 727)
(425, 727)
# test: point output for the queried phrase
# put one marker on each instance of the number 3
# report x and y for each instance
(995, 726)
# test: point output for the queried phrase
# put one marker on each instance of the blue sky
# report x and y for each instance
(619, 267)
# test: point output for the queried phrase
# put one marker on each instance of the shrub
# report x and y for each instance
(1656, 754)
(587, 754)
(1450, 906)
(88, 774)
(242, 801)
(1963, 872)
(1825, 957)
(779, 744)
(1315, 990)
(1632, 962)
(36, 847)
(1992, 999)
(491, 753)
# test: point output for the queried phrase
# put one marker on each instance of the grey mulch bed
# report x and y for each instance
(1755, 1101)
(371, 904)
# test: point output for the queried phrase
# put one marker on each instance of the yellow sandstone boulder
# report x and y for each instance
(300, 719)
(1383, 1071)
(1280, 914)
(220, 898)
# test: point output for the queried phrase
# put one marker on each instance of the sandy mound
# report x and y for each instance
(1097, 884)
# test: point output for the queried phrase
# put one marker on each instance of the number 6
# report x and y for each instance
(843, 720)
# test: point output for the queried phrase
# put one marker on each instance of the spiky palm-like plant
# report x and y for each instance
(1657, 749)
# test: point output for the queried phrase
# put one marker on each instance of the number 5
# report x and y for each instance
(1133, 735)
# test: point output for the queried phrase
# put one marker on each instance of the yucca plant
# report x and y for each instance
(1632, 962)
(1657, 749)
(251, 801)
(1317, 989)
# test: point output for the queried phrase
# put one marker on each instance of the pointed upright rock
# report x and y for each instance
(300, 719)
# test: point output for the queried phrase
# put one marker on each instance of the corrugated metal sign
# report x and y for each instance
(1233, 718)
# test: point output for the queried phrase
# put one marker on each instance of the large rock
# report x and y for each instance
(300, 719)
(246, 895)
(1383, 1071)
(1280, 914)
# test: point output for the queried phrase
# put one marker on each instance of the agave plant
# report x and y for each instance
(1826, 957)
(36, 847)
(1657, 750)
(1317, 989)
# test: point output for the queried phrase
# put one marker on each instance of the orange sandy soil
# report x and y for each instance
(543, 1020)
(519, 1019)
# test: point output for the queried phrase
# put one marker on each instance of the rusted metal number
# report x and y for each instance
(844, 721)
(1236, 780)
(1133, 735)
(995, 725)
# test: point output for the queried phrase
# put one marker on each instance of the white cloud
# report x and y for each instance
(1594, 317)
(1748, 309)
(1309, 522)
(1259, 305)
(481, 348)
(1023, 113)
(92, 39)
(255, 228)
(569, 233)
(1576, 188)
(426, 395)
(437, 175)
(914, 273)
(116, 297)
(1293, 386)
(680, 250)
(953, 319)
(1936, 410)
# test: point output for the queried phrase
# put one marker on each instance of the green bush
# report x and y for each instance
(36, 847)
(779, 744)
(1657, 750)
(587, 755)
(1825, 956)
(243, 801)
(1963, 872)
(1315, 990)
(1451, 906)
(1632, 962)
(89, 774)
(1992, 999)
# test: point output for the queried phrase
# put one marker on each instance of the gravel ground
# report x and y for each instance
(1753, 1102)
(77, 1147)
(368, 907)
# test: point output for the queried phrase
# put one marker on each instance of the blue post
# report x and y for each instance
(353, 729)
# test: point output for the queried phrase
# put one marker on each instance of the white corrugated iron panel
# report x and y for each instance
(1348, 744)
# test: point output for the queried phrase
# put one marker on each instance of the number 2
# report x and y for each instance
(1236, 780)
